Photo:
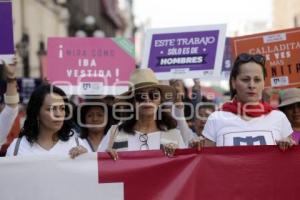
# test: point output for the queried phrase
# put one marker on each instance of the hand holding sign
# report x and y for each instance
(10, 69)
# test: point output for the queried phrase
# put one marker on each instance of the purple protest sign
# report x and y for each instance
(227, 59)
(6, 33)
(189, 52)
(193, 50)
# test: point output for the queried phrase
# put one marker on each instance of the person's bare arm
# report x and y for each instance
(200, 142)
(11, 95)
(209, 143)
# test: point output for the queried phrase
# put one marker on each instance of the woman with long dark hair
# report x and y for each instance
(95, 121)
(146, 125)
(47, 129)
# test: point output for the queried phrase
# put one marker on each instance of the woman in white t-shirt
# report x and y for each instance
(46, 129)
(246, 120)
(95, 121)
(147, 126)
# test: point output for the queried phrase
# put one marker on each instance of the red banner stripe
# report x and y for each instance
(260, 172)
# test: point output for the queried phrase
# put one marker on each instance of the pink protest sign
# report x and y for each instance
(90, 65)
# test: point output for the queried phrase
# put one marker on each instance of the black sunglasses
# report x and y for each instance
(245, 57)
(142, 96)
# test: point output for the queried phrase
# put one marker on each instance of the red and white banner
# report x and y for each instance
(54, 178)
(261, 172)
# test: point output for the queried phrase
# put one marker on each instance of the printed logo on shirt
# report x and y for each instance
(239, 141)
(248, 138)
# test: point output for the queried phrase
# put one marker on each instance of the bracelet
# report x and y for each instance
(10, 80)
(14, 99)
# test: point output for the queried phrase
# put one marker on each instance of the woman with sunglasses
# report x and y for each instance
(246, 120)
(47, 129)
(147, 126)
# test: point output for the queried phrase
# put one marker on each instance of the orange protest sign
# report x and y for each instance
(282, 51)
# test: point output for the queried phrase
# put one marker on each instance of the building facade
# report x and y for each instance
(37, 20)
(286, 14)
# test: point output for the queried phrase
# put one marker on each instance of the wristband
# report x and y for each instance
(14, 99)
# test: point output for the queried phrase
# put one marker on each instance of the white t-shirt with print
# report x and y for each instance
(60, 148)
(228, 129)
(134, 143)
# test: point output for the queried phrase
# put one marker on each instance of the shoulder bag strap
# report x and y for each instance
(17, 146)
(112, 136)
